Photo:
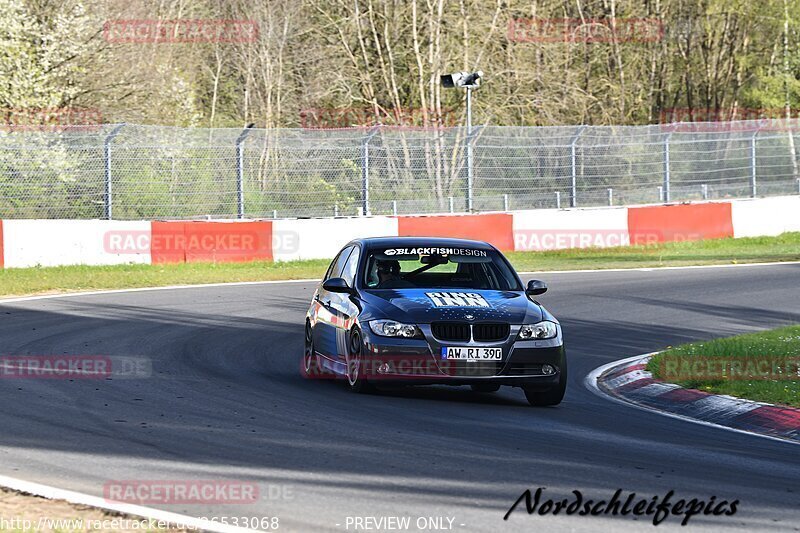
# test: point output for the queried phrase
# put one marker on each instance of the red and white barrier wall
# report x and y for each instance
(66, 242)
(766, 216)
(28, 243)
(320, 238)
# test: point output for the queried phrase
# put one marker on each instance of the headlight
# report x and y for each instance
(390, 328)
(540, 330)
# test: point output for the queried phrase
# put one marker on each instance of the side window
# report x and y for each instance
(349, 271)
(341, 260)
(371, 273)
(330, 268)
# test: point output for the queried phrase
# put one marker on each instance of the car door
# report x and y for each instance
(325, 310)
(343, 307)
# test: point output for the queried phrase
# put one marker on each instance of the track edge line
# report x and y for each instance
(79, 498)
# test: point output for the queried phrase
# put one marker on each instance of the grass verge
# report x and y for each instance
(26, 513)
(757, 366)
(42, 280)
(785, 247)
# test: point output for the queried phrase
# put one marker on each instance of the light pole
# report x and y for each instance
(468, 81)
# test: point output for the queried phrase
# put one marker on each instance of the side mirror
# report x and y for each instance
(336, 285)
(536, 287)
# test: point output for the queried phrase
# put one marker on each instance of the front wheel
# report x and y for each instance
(356, 368)
(310, 361)
(551, 396)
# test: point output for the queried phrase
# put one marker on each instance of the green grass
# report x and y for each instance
(22, 281)
(780, 345)
(785, 247)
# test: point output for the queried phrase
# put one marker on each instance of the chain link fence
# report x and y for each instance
(125, 171)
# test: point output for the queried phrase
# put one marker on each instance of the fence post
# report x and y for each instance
(667, 194)
(753, 184)
(505, 203)
(365, 170)
(240, 169)
(704, 189)
(558, 199)
(471, 134)
(573, 201)
(610, 197)
(107, 198)
(469, 150)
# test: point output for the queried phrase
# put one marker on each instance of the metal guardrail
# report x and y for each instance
(127, 171)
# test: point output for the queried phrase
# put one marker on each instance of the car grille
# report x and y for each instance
(450, 331)
(460, 331)
(490, 332)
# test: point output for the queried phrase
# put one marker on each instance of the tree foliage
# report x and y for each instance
(386, 56)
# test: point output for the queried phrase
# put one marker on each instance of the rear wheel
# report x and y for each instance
(551, 396)
(356, 370)
(485, 387)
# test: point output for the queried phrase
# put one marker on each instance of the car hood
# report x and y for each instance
(423, 306)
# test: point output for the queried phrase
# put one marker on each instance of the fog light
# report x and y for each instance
(548, 370)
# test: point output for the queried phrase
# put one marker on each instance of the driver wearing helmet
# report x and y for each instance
(389, 275)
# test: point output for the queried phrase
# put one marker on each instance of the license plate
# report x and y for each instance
(472, 354)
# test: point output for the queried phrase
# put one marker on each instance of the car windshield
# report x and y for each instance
(438, 268)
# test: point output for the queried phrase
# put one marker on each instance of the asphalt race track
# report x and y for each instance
(226, 401)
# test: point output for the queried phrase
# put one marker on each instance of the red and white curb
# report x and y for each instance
(629, 382)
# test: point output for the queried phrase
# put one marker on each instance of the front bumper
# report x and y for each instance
(416, 361)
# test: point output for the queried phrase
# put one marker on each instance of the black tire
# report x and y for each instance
(356, 378)
(551, 396)
(310, 366)
(485, 387)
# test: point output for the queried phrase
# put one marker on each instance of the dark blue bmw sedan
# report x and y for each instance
(418, 310)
